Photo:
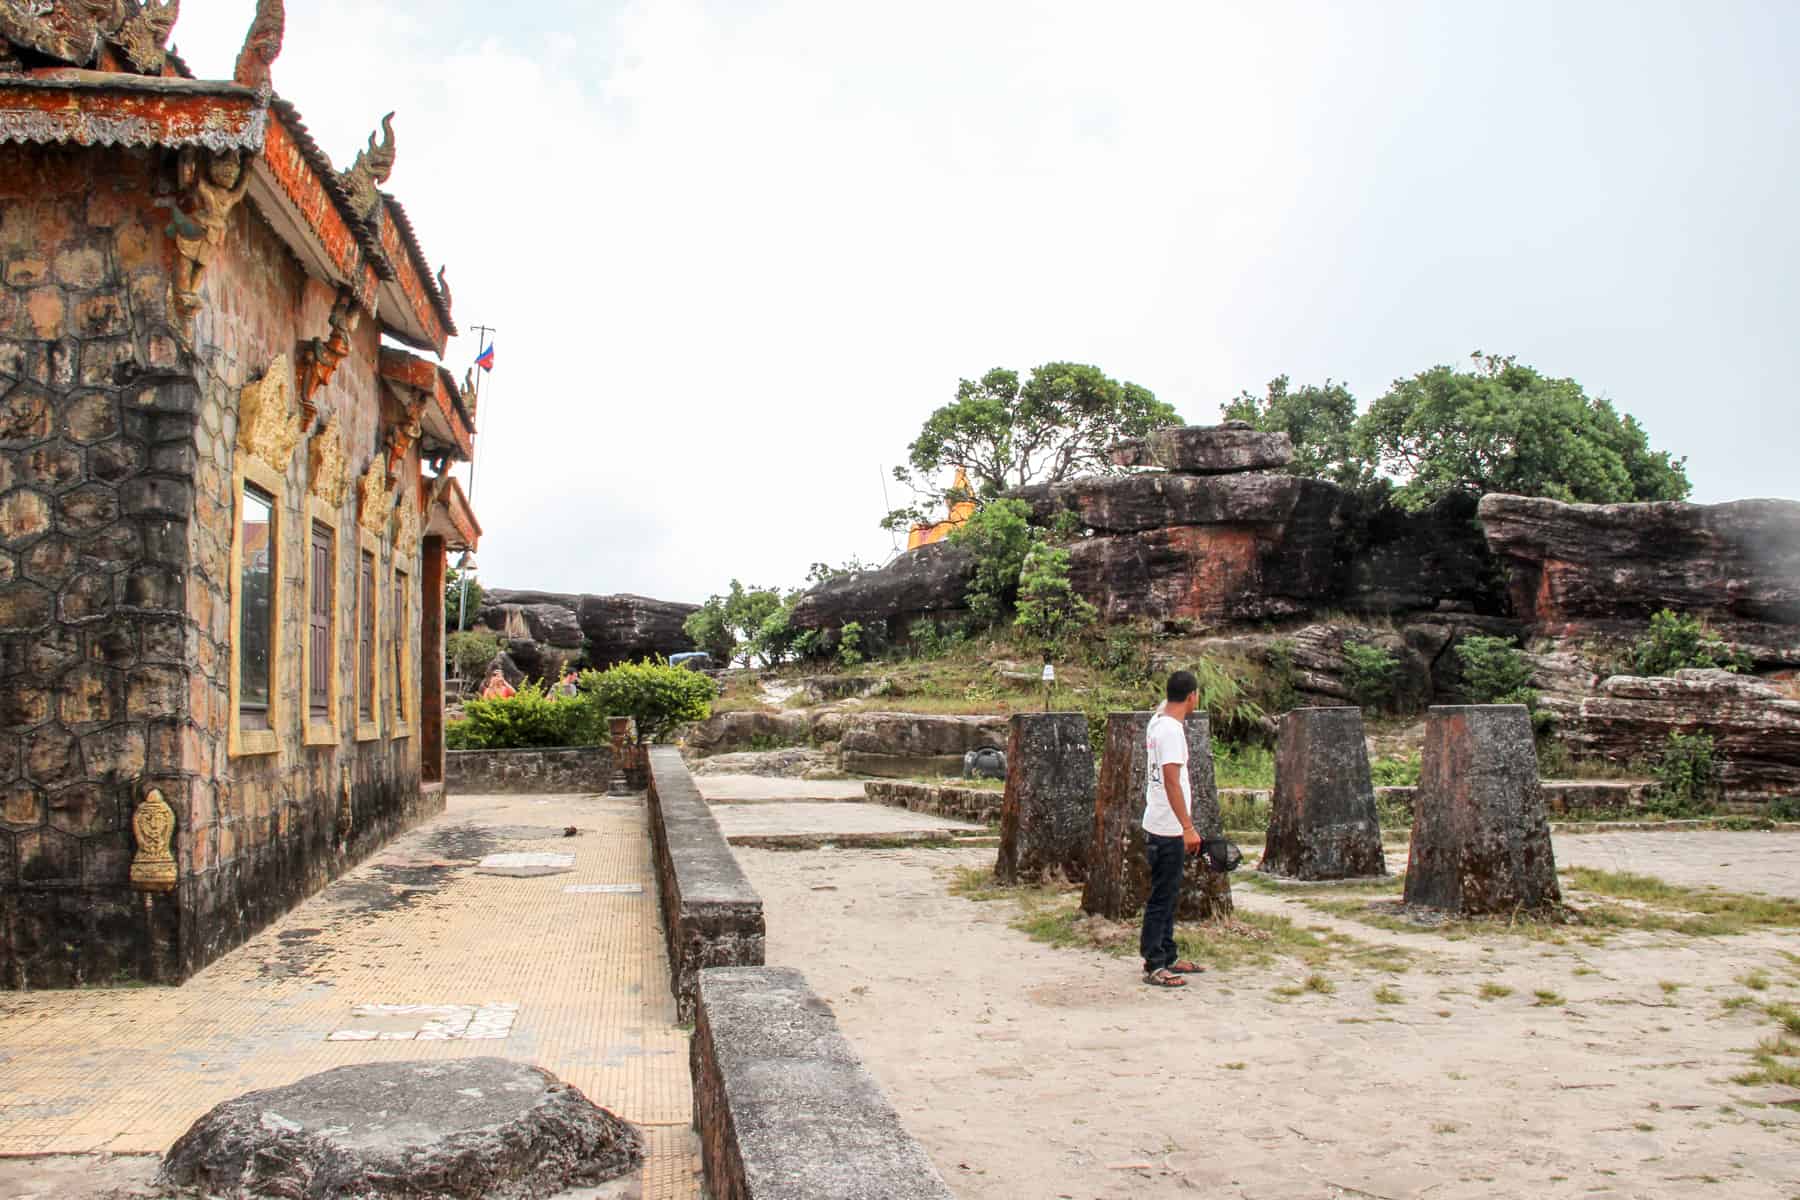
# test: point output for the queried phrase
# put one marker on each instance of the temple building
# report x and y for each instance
(961, 505)
(225, 504)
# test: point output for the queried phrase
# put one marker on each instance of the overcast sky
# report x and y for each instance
(738, 251)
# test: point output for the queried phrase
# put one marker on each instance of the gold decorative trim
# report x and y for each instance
(329, 470)
(268, 422)
(406, 534)
(153, 825)
(240, 741)
(375, 501)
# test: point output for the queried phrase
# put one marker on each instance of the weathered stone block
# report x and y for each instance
(24, 605)
(1323, 823)
(784, 1108)
(1207, 449)
(117, 753)
(24, 704)
(24, 515)
(156, 692)
(49, 755)
(155, 587)
(151, 496)
(48, 856)
(81, 267)
(1480, 838)
(52, 466)
(1118, 878)
(51, 561)
(26, 415)
(86, 597)
(472, 1127)
(92, 417)
(1047, 816)
(83, 809)
(88, 508)
(87, 696)
(21, 805)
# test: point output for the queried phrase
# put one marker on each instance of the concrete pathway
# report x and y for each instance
(551, 955)
(1734, 862)
(763, 789)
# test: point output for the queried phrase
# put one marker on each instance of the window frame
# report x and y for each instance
(324, 733)
(400, 578)
(251, 472)
(368, 729)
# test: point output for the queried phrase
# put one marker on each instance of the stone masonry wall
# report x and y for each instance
(265, 831)
(96, 416)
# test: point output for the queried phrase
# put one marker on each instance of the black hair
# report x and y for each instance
(1182, 684)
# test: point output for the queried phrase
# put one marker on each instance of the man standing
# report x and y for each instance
(1169, 833)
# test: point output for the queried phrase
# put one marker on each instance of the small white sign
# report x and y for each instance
(1049, 673)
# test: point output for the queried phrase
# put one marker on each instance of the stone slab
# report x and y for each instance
(837, 817)
(980, 805)
(1118, 879)
(1207, 449)
(1323, 823)
(712, 917)
(784, 1107)
(1047, 813)
(472, 1127)
(1480, 836)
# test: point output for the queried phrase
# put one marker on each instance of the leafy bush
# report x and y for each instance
(1243, 765)
(849, 643)
(1687, 777)
(471, 652)
(1232, 714)
(652, 693)
(1049, 609)
(530, 718)
(1396, 772)
(1493, 671)
(934, 639)
(1278, 687)
(1784, 808)
(1369, 675)
(998, 536)
(1675, 642)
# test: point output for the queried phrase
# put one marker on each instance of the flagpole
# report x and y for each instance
(482, 336)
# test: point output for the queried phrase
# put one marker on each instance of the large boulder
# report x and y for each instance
(470, 1127)
(910, 745)
(930, 580)
(1755, 726)
(1154, 500)
(1207, 449)
(621, 628)
(1574, 567)
(749, 729)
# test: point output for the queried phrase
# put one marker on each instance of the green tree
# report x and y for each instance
(724, 624)
(470, 653)
(998, 536)
(652, 693)
(1320, 420)
(1503, 427)
(454, 615)
(1058, 423)
(1049, 608)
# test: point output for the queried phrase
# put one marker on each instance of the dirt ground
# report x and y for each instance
(1029, 1070)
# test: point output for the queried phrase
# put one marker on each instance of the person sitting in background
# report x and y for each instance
(567, 687)
(496, 687)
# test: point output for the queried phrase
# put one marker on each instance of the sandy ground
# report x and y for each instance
(1030, 1071)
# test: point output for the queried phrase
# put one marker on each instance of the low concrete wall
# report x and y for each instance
(784, 1108)
(516, 772)
(958, 803)
(712, 917)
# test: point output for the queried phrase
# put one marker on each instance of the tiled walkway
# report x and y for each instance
(418, 953)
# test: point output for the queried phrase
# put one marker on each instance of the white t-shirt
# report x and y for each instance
(1165, 741)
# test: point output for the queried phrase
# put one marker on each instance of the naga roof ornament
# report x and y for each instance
(262, 46)
(371, 168)
(70, 31)
(144, 35)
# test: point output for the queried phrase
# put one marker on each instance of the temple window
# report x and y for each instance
(401, 610)
(368, 657)
(256, 612)
(321, 634)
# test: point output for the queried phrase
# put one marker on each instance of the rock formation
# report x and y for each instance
(1480, 836)
(622, 628)
(1322, 824)
(1207, 449)
(1574, 567)
(1755, 726)
(1047, 815)
(1118, 878)
(924, 582)
(471, 1127)
(904, 745)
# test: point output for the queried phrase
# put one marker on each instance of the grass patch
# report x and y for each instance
(1756, 981)
(1547, 999)
(1495, 991)
(1656, 905)
(1733, 1003)
(1388, 994)
(1318, 983)
(1784, 1015)
(1773, 1065)
(1669, 986)
(1388, 885)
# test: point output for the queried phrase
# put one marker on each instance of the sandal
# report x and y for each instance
(1163, 977)
(1184, 967)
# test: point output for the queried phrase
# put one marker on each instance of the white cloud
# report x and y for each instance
(737, 252)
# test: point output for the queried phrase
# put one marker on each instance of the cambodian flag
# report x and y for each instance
(485, 360)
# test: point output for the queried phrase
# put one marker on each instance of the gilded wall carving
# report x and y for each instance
(268, 420)
(330, 472)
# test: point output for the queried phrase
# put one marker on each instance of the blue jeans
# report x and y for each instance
(1167, 856)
